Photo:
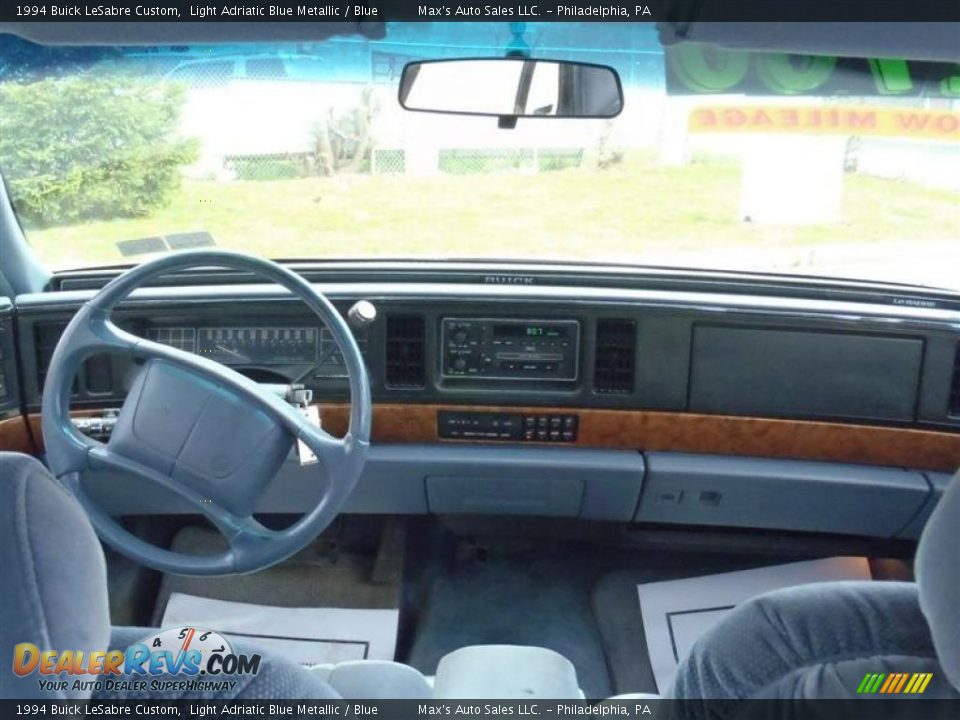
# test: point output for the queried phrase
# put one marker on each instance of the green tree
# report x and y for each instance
(86, 147)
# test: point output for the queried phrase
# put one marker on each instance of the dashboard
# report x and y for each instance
(602, 402)
(769, 357)
(450, 346)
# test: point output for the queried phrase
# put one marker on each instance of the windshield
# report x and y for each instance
(302, 150)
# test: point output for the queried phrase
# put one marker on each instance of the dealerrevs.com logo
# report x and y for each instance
(186, 659)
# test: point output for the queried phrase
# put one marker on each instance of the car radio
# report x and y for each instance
(510, 349)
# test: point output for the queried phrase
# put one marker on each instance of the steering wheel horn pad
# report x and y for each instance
(200, 434)
(200, 430)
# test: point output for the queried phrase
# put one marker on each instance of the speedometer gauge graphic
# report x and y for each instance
(183, 639)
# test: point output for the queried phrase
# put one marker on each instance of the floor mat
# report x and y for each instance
(309, 636)
(542, 601)
(614, 602)
(317, 606)
(677, 612)
(311, 578)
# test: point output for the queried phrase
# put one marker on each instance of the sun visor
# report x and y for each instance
(186, 33)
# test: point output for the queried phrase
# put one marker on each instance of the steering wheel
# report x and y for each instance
(201, 430)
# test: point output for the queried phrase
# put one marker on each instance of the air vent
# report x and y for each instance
(613, 367)
(405, 356)
(953, 406)
(97, 370)
(45, 338)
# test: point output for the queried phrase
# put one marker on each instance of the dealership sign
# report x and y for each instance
(903, 122)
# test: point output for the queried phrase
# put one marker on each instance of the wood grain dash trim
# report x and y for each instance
(15, 436)
(677, 432)
(35, 426)
(691, 432)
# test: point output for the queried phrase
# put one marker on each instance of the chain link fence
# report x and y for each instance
(389, 161)
(532, 160)
(473, 161)
(393, 161)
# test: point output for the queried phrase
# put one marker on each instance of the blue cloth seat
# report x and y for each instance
(813, 641)
(822, 640)
(55, 594)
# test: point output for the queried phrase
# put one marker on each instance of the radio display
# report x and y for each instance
(520, 330)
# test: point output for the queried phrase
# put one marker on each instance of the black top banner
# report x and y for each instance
(379, 11)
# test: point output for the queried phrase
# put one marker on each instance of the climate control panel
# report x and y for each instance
(452, 425)
(510, 349)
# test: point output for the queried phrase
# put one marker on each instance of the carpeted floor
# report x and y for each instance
(543, 601)
(311, 578)
(578, 599)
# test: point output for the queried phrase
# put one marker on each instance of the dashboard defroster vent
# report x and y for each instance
(953, 405)
(613, 367)
(405, 366)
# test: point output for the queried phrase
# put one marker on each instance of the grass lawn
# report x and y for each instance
(619, 213)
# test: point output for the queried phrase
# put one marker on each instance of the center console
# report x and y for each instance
(505, 672)
(476, 672)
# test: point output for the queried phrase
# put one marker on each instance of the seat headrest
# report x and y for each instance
(938, 576)
(55, 579)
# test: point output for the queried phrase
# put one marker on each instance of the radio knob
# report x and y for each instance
(459, 364)
(460, 337)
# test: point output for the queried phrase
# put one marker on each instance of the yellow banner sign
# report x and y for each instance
(827, 120)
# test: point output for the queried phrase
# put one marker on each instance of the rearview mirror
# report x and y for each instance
(512, 87)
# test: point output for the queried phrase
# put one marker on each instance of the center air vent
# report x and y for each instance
(953, 406)
(405, 367)
(613, 367)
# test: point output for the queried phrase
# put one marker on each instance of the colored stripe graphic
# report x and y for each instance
(903, 680)
(920, 684)
(894, 683)
(891, 681)
(870, 683)
(912, 683)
